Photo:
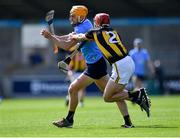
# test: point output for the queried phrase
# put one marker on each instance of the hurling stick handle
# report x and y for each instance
(68, 59)
(77, 49)
(49, 19)
(51, 28)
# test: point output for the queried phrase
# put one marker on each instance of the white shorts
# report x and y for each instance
(122, 70)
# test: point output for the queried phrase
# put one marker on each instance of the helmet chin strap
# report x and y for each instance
(97, 26)
(79, 21)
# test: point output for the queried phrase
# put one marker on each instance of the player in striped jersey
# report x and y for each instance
(110, 44)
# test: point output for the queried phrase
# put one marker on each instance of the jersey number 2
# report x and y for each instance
(112, 38)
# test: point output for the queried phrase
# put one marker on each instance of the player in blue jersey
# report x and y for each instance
(96, 66)
(141, 59)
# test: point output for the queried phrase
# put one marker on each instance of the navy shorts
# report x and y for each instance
(141, 77)
(96, 70)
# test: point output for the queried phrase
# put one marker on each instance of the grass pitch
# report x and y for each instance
(33, 118)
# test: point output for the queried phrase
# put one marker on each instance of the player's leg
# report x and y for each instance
(121, 94)
(122, 106)
(124, 111)
(98, 72)
(114, 92)
(101, 83)
(121, 73)
(93, 71)
(81, 95)
(138, 81)
(67, 100)
(81, 82)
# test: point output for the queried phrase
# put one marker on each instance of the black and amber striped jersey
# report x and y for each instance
(78, 63)
(109, 42)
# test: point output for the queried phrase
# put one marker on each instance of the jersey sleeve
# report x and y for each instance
(89, 34)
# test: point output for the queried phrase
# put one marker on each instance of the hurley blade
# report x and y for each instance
(49, 17)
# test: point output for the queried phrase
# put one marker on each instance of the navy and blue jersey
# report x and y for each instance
(89, 50)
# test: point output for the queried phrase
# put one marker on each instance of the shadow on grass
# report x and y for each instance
(155, 126)
(149, 126)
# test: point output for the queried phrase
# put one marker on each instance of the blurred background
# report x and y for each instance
(28, 66)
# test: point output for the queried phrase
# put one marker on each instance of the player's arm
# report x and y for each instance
(151, 66)
(61, 41)
(149, 62)
(64, 37)
(82, 37)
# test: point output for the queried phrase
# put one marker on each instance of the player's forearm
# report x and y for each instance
(63, 44)
(63, 37)
(151, 67)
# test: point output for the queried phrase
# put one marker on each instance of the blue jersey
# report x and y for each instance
(90, 50)
(140, 58)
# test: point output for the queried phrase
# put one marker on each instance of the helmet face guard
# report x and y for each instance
(101, 19)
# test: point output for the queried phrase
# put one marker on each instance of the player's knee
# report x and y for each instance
(72, 89)
(106, 98)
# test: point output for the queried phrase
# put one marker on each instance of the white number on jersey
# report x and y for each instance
(112, 38)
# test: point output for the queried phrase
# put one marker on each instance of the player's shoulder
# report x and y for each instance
(86, 23)
(85, 26)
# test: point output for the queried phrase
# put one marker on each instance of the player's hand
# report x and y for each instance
(78, 37)
(72, 36)
(46, 33)
(72, 33)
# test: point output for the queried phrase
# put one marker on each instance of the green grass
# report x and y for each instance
(33, 117)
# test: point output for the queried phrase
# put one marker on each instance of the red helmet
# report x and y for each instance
(101, 19)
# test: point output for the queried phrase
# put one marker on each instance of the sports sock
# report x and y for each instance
(70, 116)
(127, 120)
(133, 95)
